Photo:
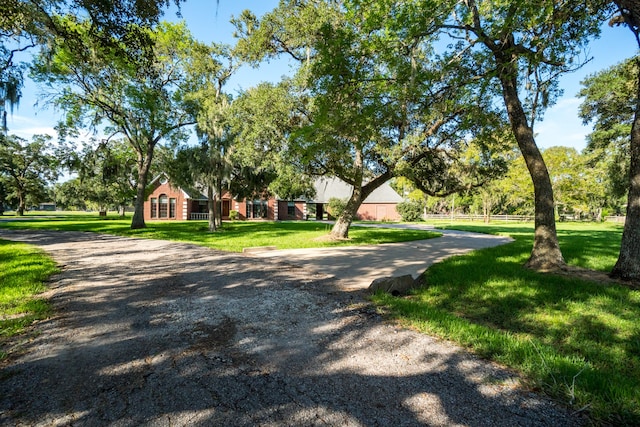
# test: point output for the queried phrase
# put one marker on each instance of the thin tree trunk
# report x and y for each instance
(144, 164)
(486, 208)
(219, 216)
(628, 265)
(22, 204)
(546, 253)
(211, 204)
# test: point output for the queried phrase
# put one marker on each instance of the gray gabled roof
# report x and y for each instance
(327, 188)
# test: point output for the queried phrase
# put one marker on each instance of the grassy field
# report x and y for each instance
(22, 275)
(233, 237)
(576, 340)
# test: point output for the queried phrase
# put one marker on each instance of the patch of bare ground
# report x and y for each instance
(600, 277)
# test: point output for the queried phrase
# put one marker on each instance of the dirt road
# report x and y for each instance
(158, 333)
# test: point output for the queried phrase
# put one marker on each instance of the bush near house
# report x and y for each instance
(410, 210)
(336, 206)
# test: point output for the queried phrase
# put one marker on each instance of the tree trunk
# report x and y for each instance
(486, 212)
(628, 265)
(144, 164)
(340, 229)
(546, 254)
(360, 192)
(211, 204)
(22, 204)
(219, 216)
(138, 207)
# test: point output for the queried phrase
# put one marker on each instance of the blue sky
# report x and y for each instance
(210, 22)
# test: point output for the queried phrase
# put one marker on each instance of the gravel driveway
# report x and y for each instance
(358, 266)
(159, 333)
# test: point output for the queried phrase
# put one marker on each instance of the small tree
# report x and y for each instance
(27, 168)
(336, 206)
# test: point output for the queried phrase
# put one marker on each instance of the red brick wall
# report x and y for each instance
(283, 210)
(283, 207)
(300, 210)
(378, 212)
(172, 193)
(241, 207)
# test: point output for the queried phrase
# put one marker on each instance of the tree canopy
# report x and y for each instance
(371, 104)
(25, 24)
(609, 103)
(144, 103)
(27, 168)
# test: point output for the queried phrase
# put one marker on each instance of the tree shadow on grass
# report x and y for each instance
(590, 321)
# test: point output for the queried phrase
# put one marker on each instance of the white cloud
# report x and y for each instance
(26, 127)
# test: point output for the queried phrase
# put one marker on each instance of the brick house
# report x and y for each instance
(169, 202)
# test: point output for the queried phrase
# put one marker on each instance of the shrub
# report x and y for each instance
(336, 206)
(233, 215)
(410, 210)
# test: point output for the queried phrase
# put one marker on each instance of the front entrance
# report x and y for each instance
(226, 207)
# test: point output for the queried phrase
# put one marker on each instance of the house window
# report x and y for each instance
(257, 209)
(154, 207)
(163, 206)
(291, 209)
(172, 208)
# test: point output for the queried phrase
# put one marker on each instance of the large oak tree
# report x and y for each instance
(628, 264)
(373, 103)
(524, 47)
(144, 101)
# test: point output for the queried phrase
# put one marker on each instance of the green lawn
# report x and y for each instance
(23, 270)
(576, 340)
(234, 236)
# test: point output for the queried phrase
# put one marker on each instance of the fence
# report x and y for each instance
(616, 219)
(510, 218)
(199, 216)
(465, 217)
